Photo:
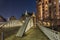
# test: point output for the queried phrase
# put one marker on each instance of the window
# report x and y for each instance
(49, 1)
(59, 10)
(43, 9)
(59, 5)
(54, 2)
(54, 10)
(43, 6)
(46, 11)
(54, 7)
(46, 2)
(39, 0)
(43, 3)
(50, 11)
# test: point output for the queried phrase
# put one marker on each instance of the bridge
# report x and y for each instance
(17, 30)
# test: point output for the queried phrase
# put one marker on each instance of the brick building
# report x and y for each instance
(48, 11)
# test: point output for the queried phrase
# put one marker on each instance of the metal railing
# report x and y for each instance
(13, 23)
(9, 24)
(51, 34)
(26, 26)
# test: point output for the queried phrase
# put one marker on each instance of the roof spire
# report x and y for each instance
(26, 12)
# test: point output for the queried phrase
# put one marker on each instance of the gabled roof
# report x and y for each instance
(2, 19)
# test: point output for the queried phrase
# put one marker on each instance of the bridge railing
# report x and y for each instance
(51, 34)
(5, 26)
(13, 23)
(26, 26)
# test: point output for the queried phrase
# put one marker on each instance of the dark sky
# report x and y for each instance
(16, 7)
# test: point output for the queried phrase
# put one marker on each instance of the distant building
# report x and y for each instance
(12, 18)
(2, 19)
(27, 14)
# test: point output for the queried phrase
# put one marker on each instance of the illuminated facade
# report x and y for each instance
(59, 10)
(48, 10)
(42, 9)
(39, 9)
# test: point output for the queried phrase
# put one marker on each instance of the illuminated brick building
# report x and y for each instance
(48, 11)
(39, 10)
(42, 9)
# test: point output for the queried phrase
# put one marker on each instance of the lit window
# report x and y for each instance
(58, 17)
(54, 2)
(59, 1)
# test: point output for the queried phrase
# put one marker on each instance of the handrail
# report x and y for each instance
(2, 30)
(23, 28)
(2, 25)
(51, 34)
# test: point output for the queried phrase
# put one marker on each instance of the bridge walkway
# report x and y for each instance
(32, 34)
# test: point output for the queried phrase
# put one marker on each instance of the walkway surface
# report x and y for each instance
(32, 34)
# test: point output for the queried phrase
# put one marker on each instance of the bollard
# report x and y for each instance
(2, 35)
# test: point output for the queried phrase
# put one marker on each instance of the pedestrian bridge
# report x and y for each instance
(24, 27)
(13, 23)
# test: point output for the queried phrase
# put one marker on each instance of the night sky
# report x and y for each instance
(16, 7)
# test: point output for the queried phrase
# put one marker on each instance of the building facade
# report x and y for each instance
(48, 10)
(42, 9)
(12, 18)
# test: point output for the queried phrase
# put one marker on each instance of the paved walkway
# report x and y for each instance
(32, 34)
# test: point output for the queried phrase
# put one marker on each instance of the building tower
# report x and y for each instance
(39, 9)
(45, 9)
(42, 9)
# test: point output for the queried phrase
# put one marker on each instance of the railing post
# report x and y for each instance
(2, 35)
